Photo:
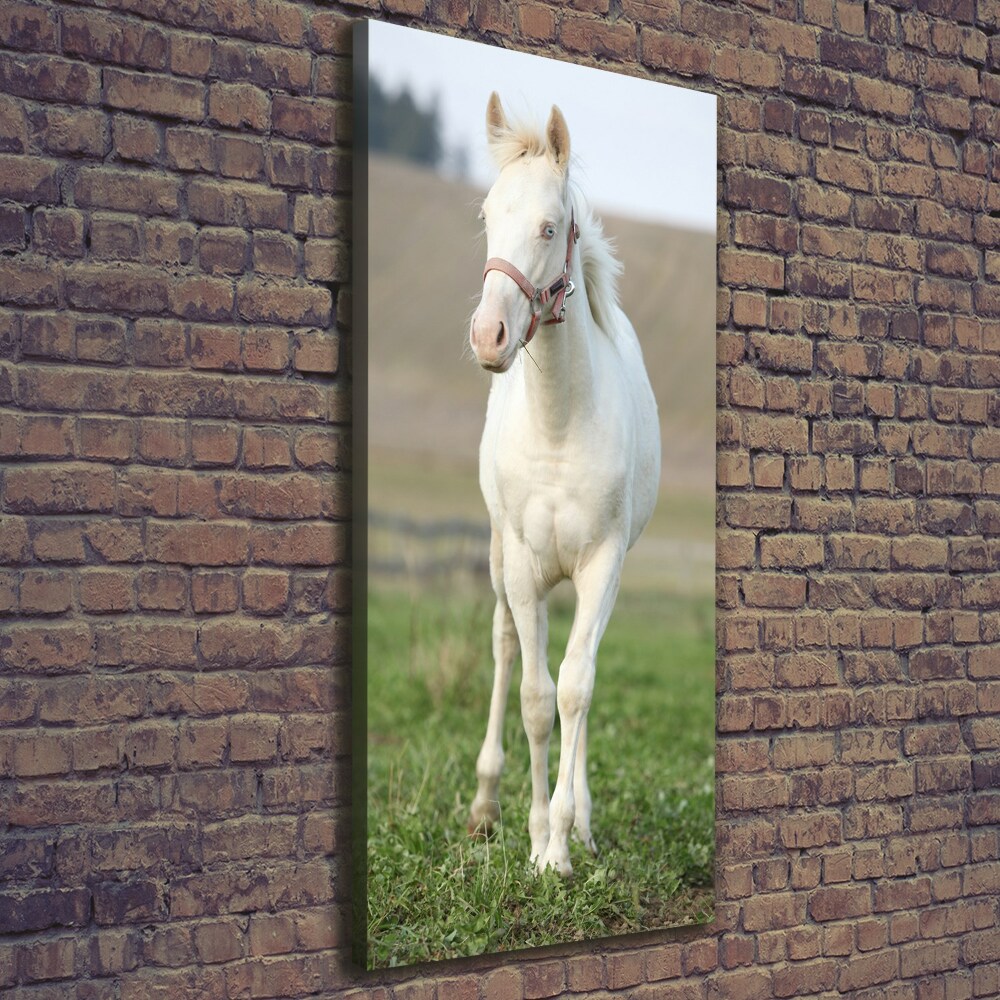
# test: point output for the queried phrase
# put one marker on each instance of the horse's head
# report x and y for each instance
(528, 219)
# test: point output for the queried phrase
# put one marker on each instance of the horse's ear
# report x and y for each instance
(557, 135)
(496, 120)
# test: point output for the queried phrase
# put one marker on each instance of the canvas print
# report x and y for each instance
(536, 349)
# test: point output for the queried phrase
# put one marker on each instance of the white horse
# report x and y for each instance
(569, 463)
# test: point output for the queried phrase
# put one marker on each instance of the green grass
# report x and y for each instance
(435, 893)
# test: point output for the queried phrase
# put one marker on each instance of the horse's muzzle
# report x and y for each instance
(489, 337)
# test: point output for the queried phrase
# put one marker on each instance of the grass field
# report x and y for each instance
(434, 893)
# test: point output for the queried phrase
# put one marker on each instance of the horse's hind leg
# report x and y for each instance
(485, 809)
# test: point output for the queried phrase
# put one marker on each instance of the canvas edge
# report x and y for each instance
(359, 498)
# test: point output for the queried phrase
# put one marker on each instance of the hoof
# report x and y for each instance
(481, 830)
(585, 838)
(483, 819)
(561, 866)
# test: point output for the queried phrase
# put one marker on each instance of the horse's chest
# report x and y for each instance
(558, 511)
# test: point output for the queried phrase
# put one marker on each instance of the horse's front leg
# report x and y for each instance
(485, 811)
(581, 794)
(538, 692)
(596, 588)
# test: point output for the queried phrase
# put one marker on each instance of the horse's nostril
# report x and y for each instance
(501, 336)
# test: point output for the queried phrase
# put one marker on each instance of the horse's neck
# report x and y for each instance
(559, 374)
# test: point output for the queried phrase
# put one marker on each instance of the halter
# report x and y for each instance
(556, 291)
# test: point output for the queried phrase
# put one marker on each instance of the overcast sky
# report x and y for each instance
(640, 148)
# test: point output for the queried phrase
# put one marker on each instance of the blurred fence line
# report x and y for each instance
(402, 546)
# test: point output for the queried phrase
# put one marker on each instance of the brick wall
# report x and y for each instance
(173, 411)
(174, 192)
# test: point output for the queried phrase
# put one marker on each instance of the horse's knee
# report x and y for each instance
(538, 705)
(576, 687)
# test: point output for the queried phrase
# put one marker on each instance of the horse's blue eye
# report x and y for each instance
(550, 231)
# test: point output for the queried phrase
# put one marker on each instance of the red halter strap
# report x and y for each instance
(555, 292)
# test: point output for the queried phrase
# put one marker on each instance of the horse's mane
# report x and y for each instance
(601, 268)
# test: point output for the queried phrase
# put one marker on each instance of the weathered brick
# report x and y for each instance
(215, 544)
(291, 304)
(239, 105)
(136, 139)
(155, 95)
(300, 118)
(758, 192)
(49, 78)
(237, 203)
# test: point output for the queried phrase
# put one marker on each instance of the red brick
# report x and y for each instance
(127, 190)
(284, 304)
(537, 22)
(773, 590)
(230, 202)
(274, 253)
(27, 282)
(161, 590)
(45, 437)
(240, 157)
(265, 592)
(28, 27)
(300, 544)
(163, 441)
(271, 935)
(106, 590)
(205, 544)
(313, 121)
(222, 251)
(315, 216)
(65, 488)
(266, 448)
(136, 139)
(239, 105)
(316, 352)
(214, 443)
(319, 449)
(28, 179)
(49, 78)
(218, 941)
(201, 298)
(266, 350)
(666, 50)
(190, 54)
(154, 94)
(290, 164)
(202, 743)
(598, 38)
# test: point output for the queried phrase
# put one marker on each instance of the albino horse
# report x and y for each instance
(569, 463)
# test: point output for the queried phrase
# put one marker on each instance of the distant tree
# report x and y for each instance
(398, 126)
